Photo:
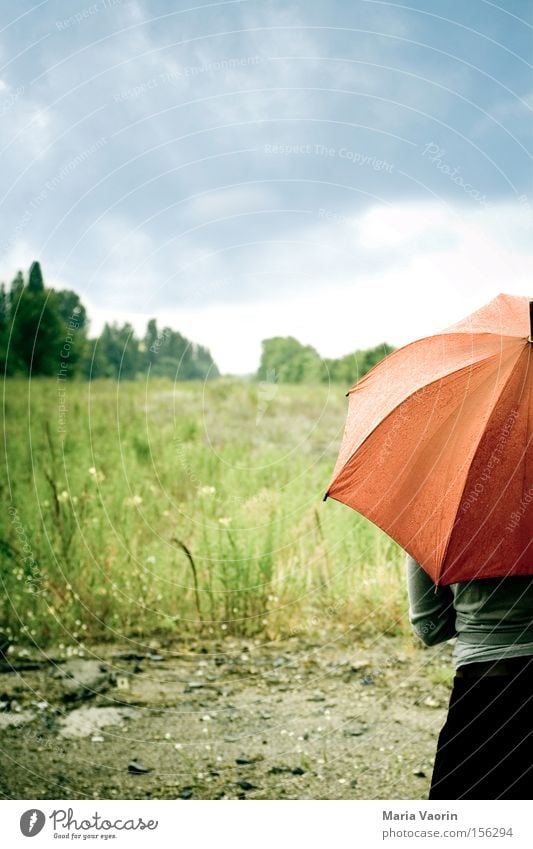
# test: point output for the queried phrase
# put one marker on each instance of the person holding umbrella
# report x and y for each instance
(438, 452)
(485, 747)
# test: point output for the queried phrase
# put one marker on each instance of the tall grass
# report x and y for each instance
(184, 508)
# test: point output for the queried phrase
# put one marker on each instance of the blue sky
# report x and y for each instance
(344, 172)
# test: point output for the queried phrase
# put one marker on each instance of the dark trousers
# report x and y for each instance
(485, 748)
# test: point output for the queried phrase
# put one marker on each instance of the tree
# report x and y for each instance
(74, 316)
(35, 279)
(38, 333)
(47, 330)
(120, 350)
(71, 308)
(17, 287)
(47, 327)
(169, 354)
(93, 362)
(4, 329)
(289, 361)
(4, 308)
(203, 365)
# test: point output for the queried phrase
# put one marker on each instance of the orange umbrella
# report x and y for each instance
(437, 448)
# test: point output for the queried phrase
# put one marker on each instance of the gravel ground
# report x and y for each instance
(329, 718)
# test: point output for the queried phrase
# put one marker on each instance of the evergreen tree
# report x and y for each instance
(17, 287)
(35, 279)
(4, 329)
(38, 333)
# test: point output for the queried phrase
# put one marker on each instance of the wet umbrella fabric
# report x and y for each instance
(438, 447)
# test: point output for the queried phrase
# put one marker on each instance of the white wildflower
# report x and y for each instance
(63, 497)
(206, 490)
(225, 520)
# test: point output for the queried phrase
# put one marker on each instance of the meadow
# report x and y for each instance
(142, 508)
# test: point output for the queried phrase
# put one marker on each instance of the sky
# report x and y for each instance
(347, 172)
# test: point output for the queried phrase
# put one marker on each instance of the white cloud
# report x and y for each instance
(471, 258)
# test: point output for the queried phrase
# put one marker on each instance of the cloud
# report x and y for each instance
(389, 274)
(180, 208)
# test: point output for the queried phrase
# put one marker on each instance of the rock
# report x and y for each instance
(419, 773)
(192, 686)
(18, 718)
(367, 680)
(138, 768)
(247, 785)
(294, 770)
(431, 702)
(252, 759)
(185, 793)
(355, 731)
(358, 665)
(87, 721)
(82, 679)
(127, 655)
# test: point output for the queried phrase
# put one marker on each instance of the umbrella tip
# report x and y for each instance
(326, 495)
(530, 320)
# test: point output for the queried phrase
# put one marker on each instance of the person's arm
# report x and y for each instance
(431, 611)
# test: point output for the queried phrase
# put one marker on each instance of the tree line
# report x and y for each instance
(44, 331)
(285, 360)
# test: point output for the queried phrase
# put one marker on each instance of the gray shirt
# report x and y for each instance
(489, 618)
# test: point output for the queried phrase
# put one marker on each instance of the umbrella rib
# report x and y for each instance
(403, 400)
(473, 458)
(404, 348)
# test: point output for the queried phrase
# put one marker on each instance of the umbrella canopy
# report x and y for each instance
(437, 448)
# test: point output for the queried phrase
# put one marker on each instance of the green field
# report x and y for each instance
(137, 509)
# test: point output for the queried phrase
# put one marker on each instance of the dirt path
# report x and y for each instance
(324, 719)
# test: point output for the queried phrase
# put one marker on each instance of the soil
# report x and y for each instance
(331, 718)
